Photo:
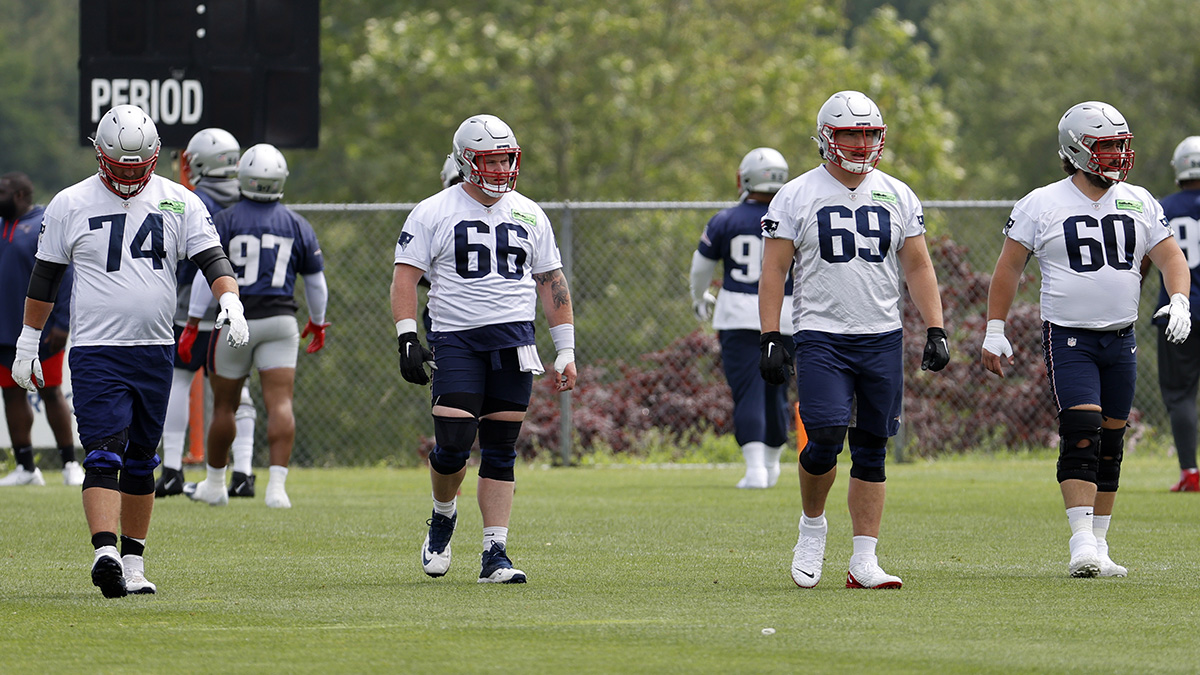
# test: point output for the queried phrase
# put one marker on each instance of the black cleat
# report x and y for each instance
(170, 482)
(107, 573)
(242, 485)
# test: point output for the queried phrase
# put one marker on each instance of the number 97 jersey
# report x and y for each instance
(1090, 253)
(479, 260)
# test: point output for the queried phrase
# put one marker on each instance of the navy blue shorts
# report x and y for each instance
(832, 371)
(1087, 367)
(494, 374)
(199, 350)
(116, 388)
(760, 410)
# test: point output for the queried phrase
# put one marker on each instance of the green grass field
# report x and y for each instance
(631, 569)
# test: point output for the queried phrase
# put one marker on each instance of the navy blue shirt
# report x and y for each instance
(1182, 209)
(734, 236)
(18, 244)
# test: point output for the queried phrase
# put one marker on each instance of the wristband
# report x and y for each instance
(28, 341)
(407, 326)
(563, 335)
(995, 327)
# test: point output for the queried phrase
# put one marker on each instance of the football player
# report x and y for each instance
(20, 223)
(1089, 232)
(124, 229)
(734, 237)
(209, 166)
(846, 231)
(489, 253)
(269, 245)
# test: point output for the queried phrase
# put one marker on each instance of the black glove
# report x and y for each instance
(937, 350)
(777, 362)
(413, 357)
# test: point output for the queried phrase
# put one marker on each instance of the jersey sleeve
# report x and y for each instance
(201, 234)
(415, 243)
(546, 255)
(915, 224)
(712, 239)
(312, 260)
(1156, 219)
(52, 240)
(1021, 227)
(780, 221)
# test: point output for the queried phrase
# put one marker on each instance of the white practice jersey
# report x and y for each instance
(478, 259)
(1090, 252)
(125, 253)
(846, 270)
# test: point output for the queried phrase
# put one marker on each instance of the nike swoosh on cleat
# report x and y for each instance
(170, 483)
(810, 575)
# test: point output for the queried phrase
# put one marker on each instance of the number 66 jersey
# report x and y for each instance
(125, 252)
(846, 270)
(478, 259)
(1090, 252)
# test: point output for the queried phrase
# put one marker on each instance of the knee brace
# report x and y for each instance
(1079, 449)
(819, 456)
(867, 452)
(1112, 451)
(102, 477)
(454, 437)
(498, 449)
(137, 475)
(106, 453)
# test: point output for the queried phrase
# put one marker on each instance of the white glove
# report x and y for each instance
(1180, 323)
(233, 315)
(565, 357)
(703, 307)
(994, 340)
(27, 369)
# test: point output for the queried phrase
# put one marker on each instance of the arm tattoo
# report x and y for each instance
(558, 286)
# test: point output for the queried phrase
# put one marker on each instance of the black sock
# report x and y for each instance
(104, 539)
(131, 546)
(24, 457)
(67, 453)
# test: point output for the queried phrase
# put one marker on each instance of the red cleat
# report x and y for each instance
(1189, 481)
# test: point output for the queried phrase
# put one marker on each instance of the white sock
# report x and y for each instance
(756, 470)
(813, 527)
(243, 443)
(216, 475)
(278, 475)
(445, 508)
(498, 535)
(1080, 518)
(771, 461)
(864, 549)
(1100, 530)
(176, 422)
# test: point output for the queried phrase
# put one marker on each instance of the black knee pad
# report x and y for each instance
(1079, 448)
(454, 437)
(495, 405)
(819, 456)
(100, 477)
(135, 484)
(140, 460)
(868, 453)
(472, 403)
(1112, 451)
(498, 449)
(106, 453)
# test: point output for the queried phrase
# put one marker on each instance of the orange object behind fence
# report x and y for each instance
(195, 453)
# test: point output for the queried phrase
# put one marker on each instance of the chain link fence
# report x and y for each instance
(647, 370)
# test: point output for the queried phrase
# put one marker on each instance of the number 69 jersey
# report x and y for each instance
(125, 253)
(1089, 252)
(847, 275)
(479, 259)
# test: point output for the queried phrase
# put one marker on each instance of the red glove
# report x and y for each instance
(186, 339)
(317, 331)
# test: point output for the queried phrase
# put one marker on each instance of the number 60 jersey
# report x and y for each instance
(846, 272)
(1090, 252)
(478, 259)
(125, 252)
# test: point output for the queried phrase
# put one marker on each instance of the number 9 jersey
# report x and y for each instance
(1090, 253)
(478, 259)
(125, 252)
(846, 271)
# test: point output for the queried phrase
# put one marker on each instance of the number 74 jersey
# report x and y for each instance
(478, 259)
(846, 271)
(1090, 252)
(125, 253)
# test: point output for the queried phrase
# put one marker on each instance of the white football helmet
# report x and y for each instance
(762, 170)
(261, 173)
(1088, 123)
(1186, 160)
(478, 138)
(450, 174)
(213, 153)
(127, 149)
(851, 110)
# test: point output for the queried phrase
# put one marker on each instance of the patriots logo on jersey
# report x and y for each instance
(769, 226)
(404, 239)
(1008, 225)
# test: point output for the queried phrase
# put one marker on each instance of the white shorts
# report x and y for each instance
(274, 343)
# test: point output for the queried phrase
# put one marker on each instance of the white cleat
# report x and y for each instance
(135, 576)
(72, 474)
(1108, 568)
(1085, 562)
(870, 575)
(209, 493)
(773, 474)
(277, 497)
(20, 476)
(755, 479)
(808, 558)
(107, 572)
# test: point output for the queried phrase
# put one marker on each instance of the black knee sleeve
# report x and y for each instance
(498, 449)
(820, 454)
(140, 460)
(1079, 449)
(454, 437)
(102, 477)
(868, 453)
(102, 461)
(1112, 451)
(135, 484)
